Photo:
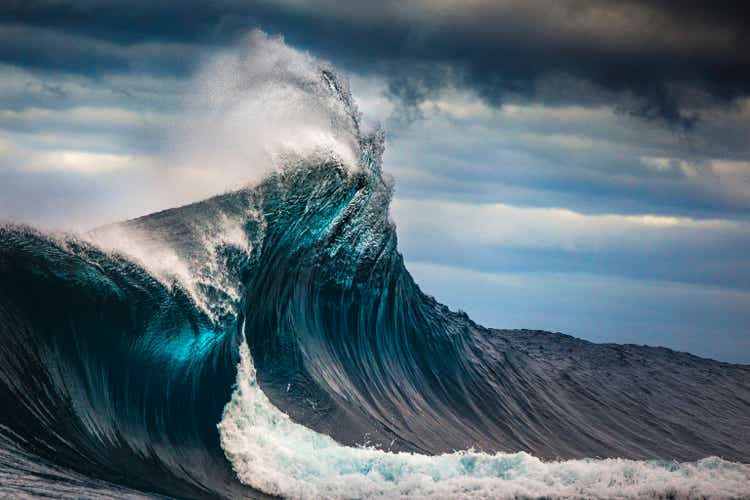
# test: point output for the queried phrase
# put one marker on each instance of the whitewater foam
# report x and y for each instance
(271, 453)
(199, 270)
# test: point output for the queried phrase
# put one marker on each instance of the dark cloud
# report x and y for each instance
(658, 59)
(60, 51)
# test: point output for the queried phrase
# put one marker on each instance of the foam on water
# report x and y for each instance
(272, 453)
(201, 268)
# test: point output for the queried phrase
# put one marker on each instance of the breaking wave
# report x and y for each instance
(270, 341)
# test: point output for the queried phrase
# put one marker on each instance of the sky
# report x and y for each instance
(579, 166)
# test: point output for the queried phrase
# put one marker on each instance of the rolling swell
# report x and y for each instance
(120, 353)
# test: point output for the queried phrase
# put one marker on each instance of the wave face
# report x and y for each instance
(270, 341)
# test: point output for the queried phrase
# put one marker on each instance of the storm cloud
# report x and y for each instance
(668, 61)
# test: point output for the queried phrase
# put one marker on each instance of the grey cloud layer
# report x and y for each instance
(589, 159)
(658, 59)
(703, 320)
(500, 238)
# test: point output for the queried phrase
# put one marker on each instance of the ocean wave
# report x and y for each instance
(270, 340)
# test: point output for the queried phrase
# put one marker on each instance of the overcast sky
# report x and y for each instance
(578, 166)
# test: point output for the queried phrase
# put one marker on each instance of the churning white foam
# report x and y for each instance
(273, 454)
(196, 271)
